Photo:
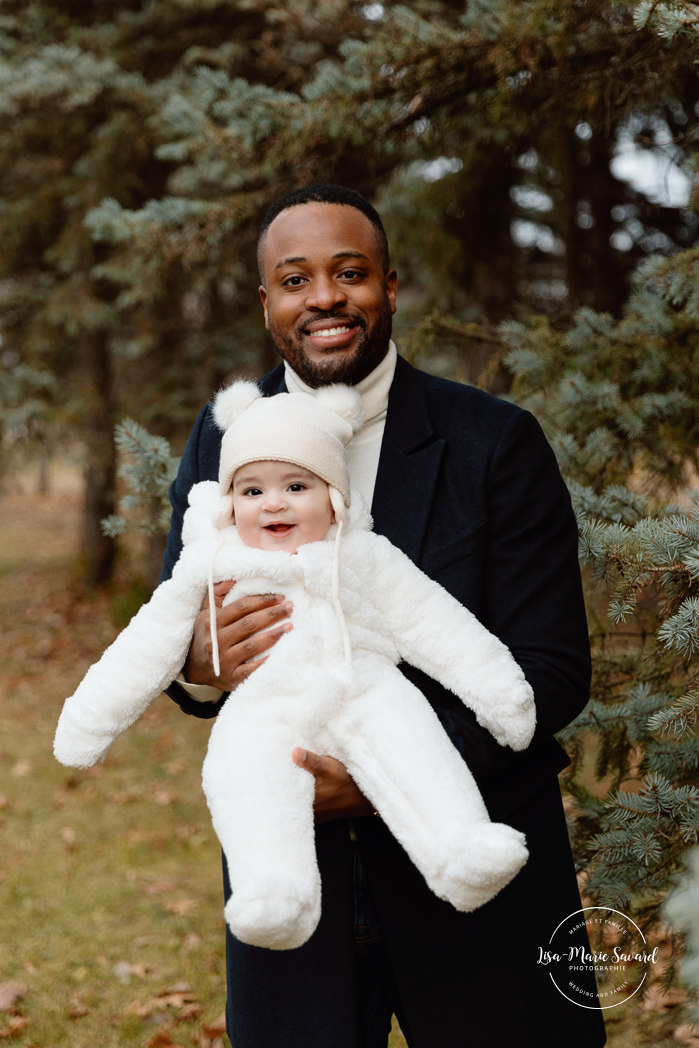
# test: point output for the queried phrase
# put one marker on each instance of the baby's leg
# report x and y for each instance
(398, 753)
(262, 809)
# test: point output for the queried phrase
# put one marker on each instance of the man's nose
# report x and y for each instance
(325, 294)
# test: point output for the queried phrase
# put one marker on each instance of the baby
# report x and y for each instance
(283, 519)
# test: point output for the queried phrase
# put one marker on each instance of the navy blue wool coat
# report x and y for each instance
(469, 489)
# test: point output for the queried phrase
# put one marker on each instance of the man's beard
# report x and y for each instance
(371, 348)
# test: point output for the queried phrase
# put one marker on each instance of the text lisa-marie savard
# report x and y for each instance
(583, 956)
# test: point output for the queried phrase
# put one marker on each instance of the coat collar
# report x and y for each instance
(273, 382)
(409, 462)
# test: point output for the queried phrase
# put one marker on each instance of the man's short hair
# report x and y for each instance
(324, 193)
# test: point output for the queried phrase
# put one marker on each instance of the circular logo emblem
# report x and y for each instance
(597, 958)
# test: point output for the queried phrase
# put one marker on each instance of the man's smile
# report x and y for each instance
(325, 334)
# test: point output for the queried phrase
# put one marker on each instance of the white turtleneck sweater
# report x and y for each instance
(362, 453)
(363, 450)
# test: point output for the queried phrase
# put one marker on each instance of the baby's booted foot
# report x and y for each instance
(275, 915)
(492, 856)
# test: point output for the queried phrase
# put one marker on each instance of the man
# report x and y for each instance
(467, 486)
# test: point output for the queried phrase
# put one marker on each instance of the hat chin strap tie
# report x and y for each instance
(336, 595)
(338, 504)
(212, 607)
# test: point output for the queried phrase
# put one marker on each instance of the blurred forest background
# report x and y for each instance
(535, 165)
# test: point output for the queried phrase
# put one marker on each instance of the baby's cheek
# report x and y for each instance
(248, 533)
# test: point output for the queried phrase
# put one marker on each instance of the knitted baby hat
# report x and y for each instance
(305, 430)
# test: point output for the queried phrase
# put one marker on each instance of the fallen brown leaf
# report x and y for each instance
(15, 1027)
(216, 1028)
(688, 1034)
(77, 1009)
(11, 992)
(5, 802)
(164, 797)
(68, 837)
(189, 1012)
(179, 999)
(122, 797)
(158, 887)
(175, 1000)
(145, 940)
(143, 969)
(163, 744)
(21, 768)
(177, 766)
(162, 1039)
(658, 1001)
(181, 906)
(139, 1009)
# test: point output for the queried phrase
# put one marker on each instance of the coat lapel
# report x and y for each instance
(408, 465)
(273, 382)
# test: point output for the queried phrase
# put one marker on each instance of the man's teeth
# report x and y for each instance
(332, 331)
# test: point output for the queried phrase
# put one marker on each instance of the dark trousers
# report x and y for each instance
(385, 944)
(338, 989)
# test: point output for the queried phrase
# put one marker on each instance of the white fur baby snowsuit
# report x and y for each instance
(367, 715)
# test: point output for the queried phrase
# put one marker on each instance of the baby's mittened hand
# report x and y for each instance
(512, 719)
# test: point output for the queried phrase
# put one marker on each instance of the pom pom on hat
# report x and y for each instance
(231, 402)
(344, 401)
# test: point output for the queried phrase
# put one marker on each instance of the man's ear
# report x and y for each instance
(263, 295)
(391, 288)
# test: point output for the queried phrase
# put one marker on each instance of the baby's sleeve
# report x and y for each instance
(133, 671)
(435, 633)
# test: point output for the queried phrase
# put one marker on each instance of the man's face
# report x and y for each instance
(328, 303)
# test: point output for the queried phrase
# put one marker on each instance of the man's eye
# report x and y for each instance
(350, 274)
(293, 281)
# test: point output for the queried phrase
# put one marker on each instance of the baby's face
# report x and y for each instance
(280, 506)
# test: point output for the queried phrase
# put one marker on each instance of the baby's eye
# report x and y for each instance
(252, 492)
(297, 487)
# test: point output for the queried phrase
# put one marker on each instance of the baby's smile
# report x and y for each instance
(279, 529)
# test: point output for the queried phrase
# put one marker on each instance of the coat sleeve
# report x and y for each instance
(532, 597)
(135, 668)
(188, 474)
(436, 634)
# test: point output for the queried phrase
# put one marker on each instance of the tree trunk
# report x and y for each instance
(483, 226)
(607, 278)
(44, 462)
(100, 458)
(593, 274)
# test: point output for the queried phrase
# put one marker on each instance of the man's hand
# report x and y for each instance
(237, 623)
(337, 794)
